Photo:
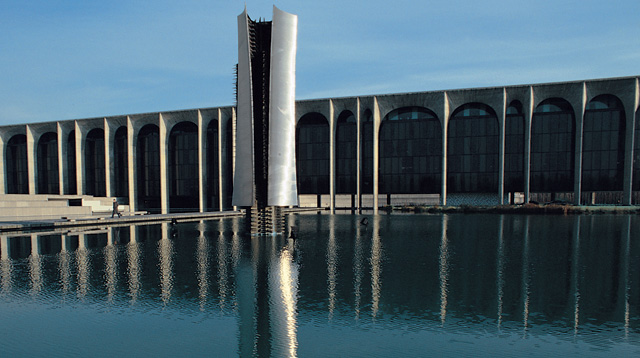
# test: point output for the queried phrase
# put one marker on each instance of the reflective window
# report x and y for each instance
(16, 164)
(514, 149)
(95, 181)
(47, 162)
(410, 152)
(213, 185)
(312, 154)
(472, 150)
(552, 147)
(366, 186)
(72, 181)
(603, 145)
(183, 167)
(346, 153)
(148, 168)
(121, 163)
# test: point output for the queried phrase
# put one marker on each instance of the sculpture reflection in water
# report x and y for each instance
(525, 275)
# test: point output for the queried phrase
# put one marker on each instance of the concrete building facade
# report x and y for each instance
(574, 141)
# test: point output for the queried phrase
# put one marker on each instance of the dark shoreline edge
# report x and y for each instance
(530, 208)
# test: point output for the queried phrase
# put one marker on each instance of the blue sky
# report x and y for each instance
(72, 59)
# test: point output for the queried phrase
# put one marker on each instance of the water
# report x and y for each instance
(401, 286)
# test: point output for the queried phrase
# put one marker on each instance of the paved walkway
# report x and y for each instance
(47, 224)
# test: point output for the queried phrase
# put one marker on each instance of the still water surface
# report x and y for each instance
(403, 285)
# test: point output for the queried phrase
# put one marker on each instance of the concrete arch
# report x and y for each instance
(17, 173)
(94, 163)
(47, 164)
(183, 167)
(148, 179)
(346, 153)
(312, 154)
(120, 164)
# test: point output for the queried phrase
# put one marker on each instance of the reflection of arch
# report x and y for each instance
(95, 182)
(148, 168)
(16, 164)
(552, 147)
(514, 148)
(312, 154)
(183, 167)
(410, 152)
(121, 163)
(472, 150)
(346, 153)
(603, 144)
(72, 181)
(366, 185)
(213, 181)
(47, 162)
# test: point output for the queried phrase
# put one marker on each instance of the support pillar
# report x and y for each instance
(131, 166)
(376, 152)
(332, 157)
(502, 123)
(577, 174)
(31, 161)
(202, 164)
(164, 165)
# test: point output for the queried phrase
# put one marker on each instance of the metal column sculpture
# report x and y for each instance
(265, 169)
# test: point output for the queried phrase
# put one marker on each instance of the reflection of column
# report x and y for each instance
(203, 265)
(223, 275)
(133, 259)
(376, 269)
(444, 269)
(246, 296)
(235, 240)
(575, 273)
(165, 248)
(35, 265)
(625, 268)
(500, 267)
(332, 265)
(6, 267)
(110, 264)
(64, 264)
(357, 269)
(526, 279)
(283, 291)
(82, 262)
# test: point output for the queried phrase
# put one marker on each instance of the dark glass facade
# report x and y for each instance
(16, 164)
(410, 152)
(95, 183)
(552, 147)
(366, 186)
(183, 167)
(47, 164)
(346, 153)
(72, 180)
(148, 168)
(472, 150)
(213, 181)
(514, 149)
(121, 163)
(603, 145)
(312, 154)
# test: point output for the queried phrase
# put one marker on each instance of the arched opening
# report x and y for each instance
(312, 154)
(603, 151)
(473, 150)
(72, 180)
(16, 165)
(410, 152)
(366, 185)
(183, 167)
(552, 150)
(95, 181)
(148, 168)
(514, 149)
(213, 171)
(121, 163)
(346, 153)
(47, 164)
(636, 160)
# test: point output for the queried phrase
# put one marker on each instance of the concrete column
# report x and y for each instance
(445, 130)
(629, 139)
(3, 164)
(31, 161)
(164, 165)
(62, 162)
(131, 166)
(577, 174)
(221, 162)
(376, 152)
(358, 154)
(202, 164)
(80, 173)
(332, 157)
(528, 108)
(109, 154)
(502, 115)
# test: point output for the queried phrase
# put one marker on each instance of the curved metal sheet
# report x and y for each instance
(243, 176)
(282, 187)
